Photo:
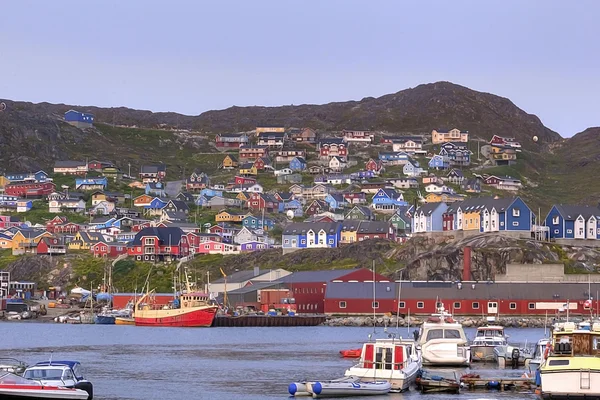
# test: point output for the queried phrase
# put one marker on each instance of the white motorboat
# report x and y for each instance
(12, 365)
(538, 355)
(13, 387)
(396, 361)
(67, 374)
(346, 387)
(442, 341)
(487, 337)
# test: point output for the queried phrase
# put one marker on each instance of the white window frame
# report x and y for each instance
(475, 305)
(555, 220)
(516, 212)
(420, 304)
(512, 306)
(375, 304)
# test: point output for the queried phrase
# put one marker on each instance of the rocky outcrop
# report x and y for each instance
(467, 322)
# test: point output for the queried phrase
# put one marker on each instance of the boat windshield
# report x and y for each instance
(489, 333)
(443, 334)
(44, 374)
(11, 379)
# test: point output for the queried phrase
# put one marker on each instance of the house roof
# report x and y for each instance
(391, 193)
(456, 172)
(232, 135)
(155, 186)
(301, 159)
(259, 285)
(339, 159)
(366, 227)
(31, 233)
(331, 140)
(179, 204)
(167, 236)
(446, 130)
(69, 164)
(572, 212)
(285, 196)
(361, 290)
(242, 276)
(176, 215)
(152, 169)
(247, 165)
(232, 157)
(301, 228)
(317, 276)
(428, 208)
(187, 196)
(366, 211)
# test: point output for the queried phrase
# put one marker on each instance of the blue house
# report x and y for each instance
(38, 177)
(513, 214)
(155, 189)
(394, 157)
(388, 200)
(411, 168)
(254, 246)
(457, 153)
(303, 235)
(203, 201)
(429, 217)
(573, 222)
(362, 175)
(439, 162)
(91, 183)
(252, 222)
(335, 201)
(211, 192)
(295, 205)
(157, 204)
(79, 119)
(298, 164)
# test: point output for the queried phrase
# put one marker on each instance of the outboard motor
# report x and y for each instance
(86, 386)
(516, 353)
(416, 335)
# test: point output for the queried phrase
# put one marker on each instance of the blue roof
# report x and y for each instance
(70, 364)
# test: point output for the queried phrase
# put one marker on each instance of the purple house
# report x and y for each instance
(253, 246)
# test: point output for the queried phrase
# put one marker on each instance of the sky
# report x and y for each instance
(193, 56)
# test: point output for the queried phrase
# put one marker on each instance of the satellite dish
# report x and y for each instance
(290, 214)
(2, 106)
(535, 138)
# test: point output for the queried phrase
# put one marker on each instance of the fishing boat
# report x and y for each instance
(486, 339)
(352, 353)
(571, 369)
(538, 354)
(396, 361)
(14, 387)
(66, 374)
(443, 341)
(438, 382)
(343, 387)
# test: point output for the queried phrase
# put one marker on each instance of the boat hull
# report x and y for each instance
(104, 320)
(482, 353)
(10, 392)
(124, 321)
(182, 317)
(445, 353)
(580, 379)
(347, 389)
(400, 380)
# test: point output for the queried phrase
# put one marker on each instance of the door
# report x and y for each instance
(492, 307)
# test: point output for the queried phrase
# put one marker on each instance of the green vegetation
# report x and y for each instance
(39, 214)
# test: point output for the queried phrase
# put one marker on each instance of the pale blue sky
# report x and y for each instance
(193, 56)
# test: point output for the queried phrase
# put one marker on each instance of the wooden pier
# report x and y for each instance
(268, 320)
(500, 384)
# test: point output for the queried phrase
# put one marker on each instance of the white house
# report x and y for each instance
(412, 169)
(337, 163)
(252, 188)
(438, 188)
(283, 171)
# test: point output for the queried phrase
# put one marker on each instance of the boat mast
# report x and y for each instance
(374, 297)
(398, 309)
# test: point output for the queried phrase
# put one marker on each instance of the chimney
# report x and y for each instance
(256, 271)
(466, 264)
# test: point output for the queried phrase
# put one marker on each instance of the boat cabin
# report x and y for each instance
(490, 332)
(441, 326)
(387, 354)
(569, 341)
(188, 300)
(66, 371)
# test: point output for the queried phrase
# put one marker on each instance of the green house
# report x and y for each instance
(113, 173)
(361, 213)
(401, 221)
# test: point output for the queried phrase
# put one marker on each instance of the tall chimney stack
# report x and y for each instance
(466, 264)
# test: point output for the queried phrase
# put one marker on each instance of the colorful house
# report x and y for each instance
(197, 181)
(230, 216)
(153, 173)
(375, 166)
(79, 119)
(573, 222)
(452, 135)
(394, 158)
(401, 220)
(248, 169)
(429, 217)
(300, 235)
(91, 184)
(263, 202)
(455, 175)
(335, 201)
(439, 162)
(298, 164)
(386, 200)
(252, 222)
(231, 140)
(159, 244)
(360, 213)
(230, 162)
(411, 168)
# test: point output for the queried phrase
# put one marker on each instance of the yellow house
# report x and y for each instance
(230, 162)
(349, 231)
(229, 216)
(453, 135)
(84, 240)
(3, 181)
(261, 129)
(248, 169)
(244, 196)
(443, 198)
(471, 220)
(27, 240)
(6, 242)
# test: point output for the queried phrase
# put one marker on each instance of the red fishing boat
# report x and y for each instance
(353, 353)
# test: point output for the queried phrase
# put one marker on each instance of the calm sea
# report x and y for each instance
(128, 362)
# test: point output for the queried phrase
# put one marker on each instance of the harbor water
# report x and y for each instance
(129, 362)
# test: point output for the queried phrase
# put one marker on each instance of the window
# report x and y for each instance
(149, 241)
(330, 241)
(420, 304)
(401, 304)
(287, 241)
(435, 334)
(556, 231)
(555, 220)
(513, 306)
(451, 334)
(375, 304)
(475, 305)
(303, 241)
(569, 230)
(531, 306)
(516, 212)
(515, 223)
(457, 305)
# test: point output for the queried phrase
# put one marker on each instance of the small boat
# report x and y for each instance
(67, 374)
(438, 382)
(486, 339)
(353, 353)
(510, 355)
(538, 355)
(13, 387)
(343, 387)
(443, 341)
(396, 361)
(124, 321)
(12, 365)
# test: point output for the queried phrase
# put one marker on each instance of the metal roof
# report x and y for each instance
(317, 276)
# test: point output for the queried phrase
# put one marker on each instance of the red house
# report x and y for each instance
(244, 180)
(108, 250)
(261, 163)
(60, 224)
(375, 230)
(140, 226)
(28, 190)
(262, 201)
(373, 165)
(448, 221)
(355, 198)
(250, 152)
(51, 246)
(195, 239)
(7, 221)
(309, 287)
(316, 206)
(212, 247)
(96, 165)
(504, 141)
(58, 220)
(330, 147)
(159, 244)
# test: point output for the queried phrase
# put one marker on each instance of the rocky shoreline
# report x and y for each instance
(467, 322)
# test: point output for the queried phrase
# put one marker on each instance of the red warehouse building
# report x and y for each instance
(31, 189)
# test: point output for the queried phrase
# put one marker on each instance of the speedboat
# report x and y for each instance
(486, 339)
(396, 361)
(442, 341)
(571, 369)
(343, 387)
(67, 374)
(538, 354)
(12, 365)
(14, 387)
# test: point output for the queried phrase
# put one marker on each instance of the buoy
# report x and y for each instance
(535, 138)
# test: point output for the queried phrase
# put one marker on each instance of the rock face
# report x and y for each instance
(45, 270)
